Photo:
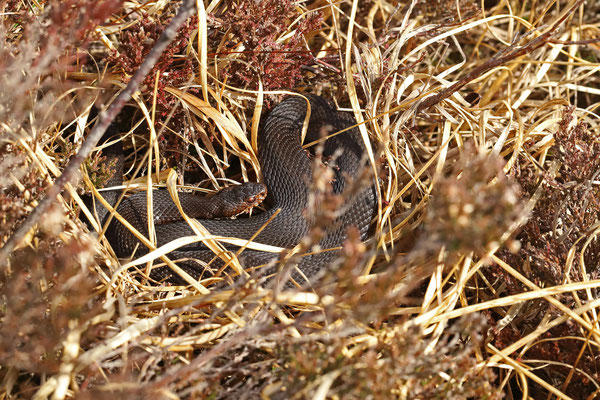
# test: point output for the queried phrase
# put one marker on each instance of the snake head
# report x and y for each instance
(239, 199)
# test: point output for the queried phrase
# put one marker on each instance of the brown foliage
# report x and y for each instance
(473, 205)
(567, 210)
(174, 68)
(48, 294)
(256, 27)
(375, 329)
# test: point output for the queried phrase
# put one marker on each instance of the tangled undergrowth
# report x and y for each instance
(480, 277)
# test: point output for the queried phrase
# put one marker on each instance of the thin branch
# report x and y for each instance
(186, 9)
(582, 42)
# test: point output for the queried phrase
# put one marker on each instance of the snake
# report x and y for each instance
(286, 187)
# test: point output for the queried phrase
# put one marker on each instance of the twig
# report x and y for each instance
(502, 58)
(105, 118)
(582, 42)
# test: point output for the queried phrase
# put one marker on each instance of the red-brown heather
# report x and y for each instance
(252, 52)
(480, 276)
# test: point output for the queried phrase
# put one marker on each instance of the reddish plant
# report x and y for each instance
(473, 205)
(255, 29)
(19, 191)
(174, 67)
(566, 211)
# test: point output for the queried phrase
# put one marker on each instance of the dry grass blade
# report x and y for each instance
(479, 278)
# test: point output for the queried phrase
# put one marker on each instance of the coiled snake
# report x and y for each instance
(286, 170)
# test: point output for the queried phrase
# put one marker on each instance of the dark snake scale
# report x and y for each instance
(287, 173)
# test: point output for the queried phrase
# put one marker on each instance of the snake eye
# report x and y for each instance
(250, 199)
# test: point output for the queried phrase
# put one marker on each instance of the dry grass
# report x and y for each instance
(480, 277)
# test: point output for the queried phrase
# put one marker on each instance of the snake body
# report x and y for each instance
(287, 173)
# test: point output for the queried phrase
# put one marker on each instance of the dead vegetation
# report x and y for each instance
(480, 278)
